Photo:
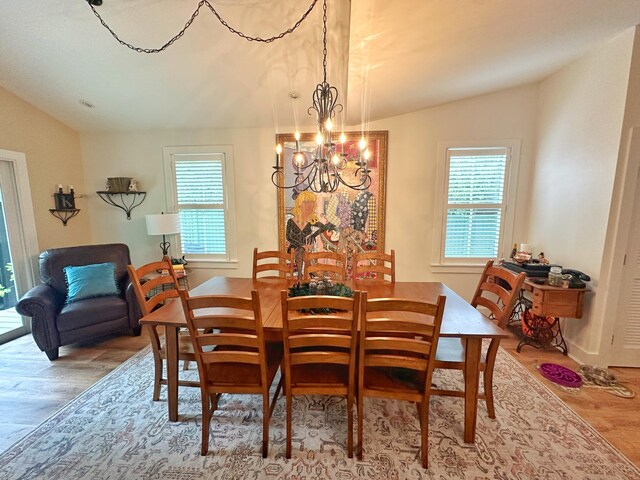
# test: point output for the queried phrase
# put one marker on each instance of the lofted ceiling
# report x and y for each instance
(386, 57)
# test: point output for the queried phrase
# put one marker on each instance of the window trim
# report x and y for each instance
(471, 265)
(226, 151)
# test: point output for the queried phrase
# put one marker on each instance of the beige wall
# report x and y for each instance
(53, 156)
(139, 155)
(579, 129)
(411, 186)
(411, 179)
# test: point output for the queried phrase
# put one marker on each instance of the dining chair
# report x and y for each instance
(325, 263)
(319, 334)
(497, 292)
(375, 266)
(231, 353)
(398, 339)
(154, 284)
(276, 263)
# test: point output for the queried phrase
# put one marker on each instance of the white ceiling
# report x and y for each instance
(389, 56)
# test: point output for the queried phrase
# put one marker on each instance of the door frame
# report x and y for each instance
(28, 244)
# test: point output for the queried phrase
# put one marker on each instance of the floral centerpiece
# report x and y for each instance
(320, 287)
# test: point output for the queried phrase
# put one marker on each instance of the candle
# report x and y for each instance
(278, 152)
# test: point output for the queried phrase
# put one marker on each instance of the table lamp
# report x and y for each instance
(163, 224)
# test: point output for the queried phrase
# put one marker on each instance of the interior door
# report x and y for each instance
(625, 351)
(17, 242)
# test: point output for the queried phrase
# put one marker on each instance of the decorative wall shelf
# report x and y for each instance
(64, 215)
(125, 201)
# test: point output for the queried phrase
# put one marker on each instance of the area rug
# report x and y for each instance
(115, 431)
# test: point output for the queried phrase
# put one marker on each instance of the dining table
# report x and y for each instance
(460, 320)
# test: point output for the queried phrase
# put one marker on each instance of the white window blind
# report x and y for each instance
(200, 194)
(475, 206)
(199, 186)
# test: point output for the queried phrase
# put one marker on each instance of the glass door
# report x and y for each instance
(17, 234)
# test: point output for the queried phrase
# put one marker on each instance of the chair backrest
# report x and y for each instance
(498, 291)
(53, 261)
(375, 265)
(226, 329)
(153, 284)
(311, 336)
(399, 333)
(325, 263)
(273, 261)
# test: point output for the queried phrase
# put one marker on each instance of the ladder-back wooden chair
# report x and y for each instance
(273, 262)
(325, 263)
(154, 284)
(231, 354)
(398, 340)
(320, 351)
(375, 266)
(497, 291)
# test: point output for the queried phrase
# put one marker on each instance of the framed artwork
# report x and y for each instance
(346, 220)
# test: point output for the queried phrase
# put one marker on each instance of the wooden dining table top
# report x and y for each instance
(460, 319)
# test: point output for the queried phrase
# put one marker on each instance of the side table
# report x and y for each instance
(538, 313)
(183, 281)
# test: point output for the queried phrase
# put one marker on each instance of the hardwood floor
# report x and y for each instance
(32, 388)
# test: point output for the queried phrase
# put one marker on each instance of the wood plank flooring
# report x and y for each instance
(32, 388)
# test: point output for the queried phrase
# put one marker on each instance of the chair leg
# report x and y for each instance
(157, 361)
(52, 354)
(265, 424)
(350, 425)
(185, 365)
(206, 421)
(424, 432)
(360, 422)
(288, 404)
(215, 398)
(488, 392)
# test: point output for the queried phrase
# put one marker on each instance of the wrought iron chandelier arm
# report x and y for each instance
(190, 21)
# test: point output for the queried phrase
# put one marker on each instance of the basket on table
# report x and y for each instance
(118, 184)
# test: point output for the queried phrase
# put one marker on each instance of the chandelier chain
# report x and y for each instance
(202, 3)
(324, 39)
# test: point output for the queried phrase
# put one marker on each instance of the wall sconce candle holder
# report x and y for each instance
(65, 204)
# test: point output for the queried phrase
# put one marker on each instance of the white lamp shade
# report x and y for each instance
(163, 224)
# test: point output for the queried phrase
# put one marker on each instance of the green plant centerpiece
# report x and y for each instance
(321, 287)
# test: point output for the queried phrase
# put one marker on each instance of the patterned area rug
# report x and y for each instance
(115, 431)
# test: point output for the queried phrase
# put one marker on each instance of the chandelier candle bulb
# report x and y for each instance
(278, 152)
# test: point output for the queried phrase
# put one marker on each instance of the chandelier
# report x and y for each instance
(321, 170)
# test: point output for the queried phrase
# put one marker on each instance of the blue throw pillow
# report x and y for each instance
(88, 281)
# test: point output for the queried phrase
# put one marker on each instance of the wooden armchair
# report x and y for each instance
(322, 264)
(320, 352)
(402, 349)
(497, 291)
(231, 353)
(152, 290)
(375, 266)
(274, 262)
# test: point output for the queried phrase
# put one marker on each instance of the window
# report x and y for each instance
(199, 182)
(473, 204)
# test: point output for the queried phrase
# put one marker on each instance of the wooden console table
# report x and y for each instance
(538, 312)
